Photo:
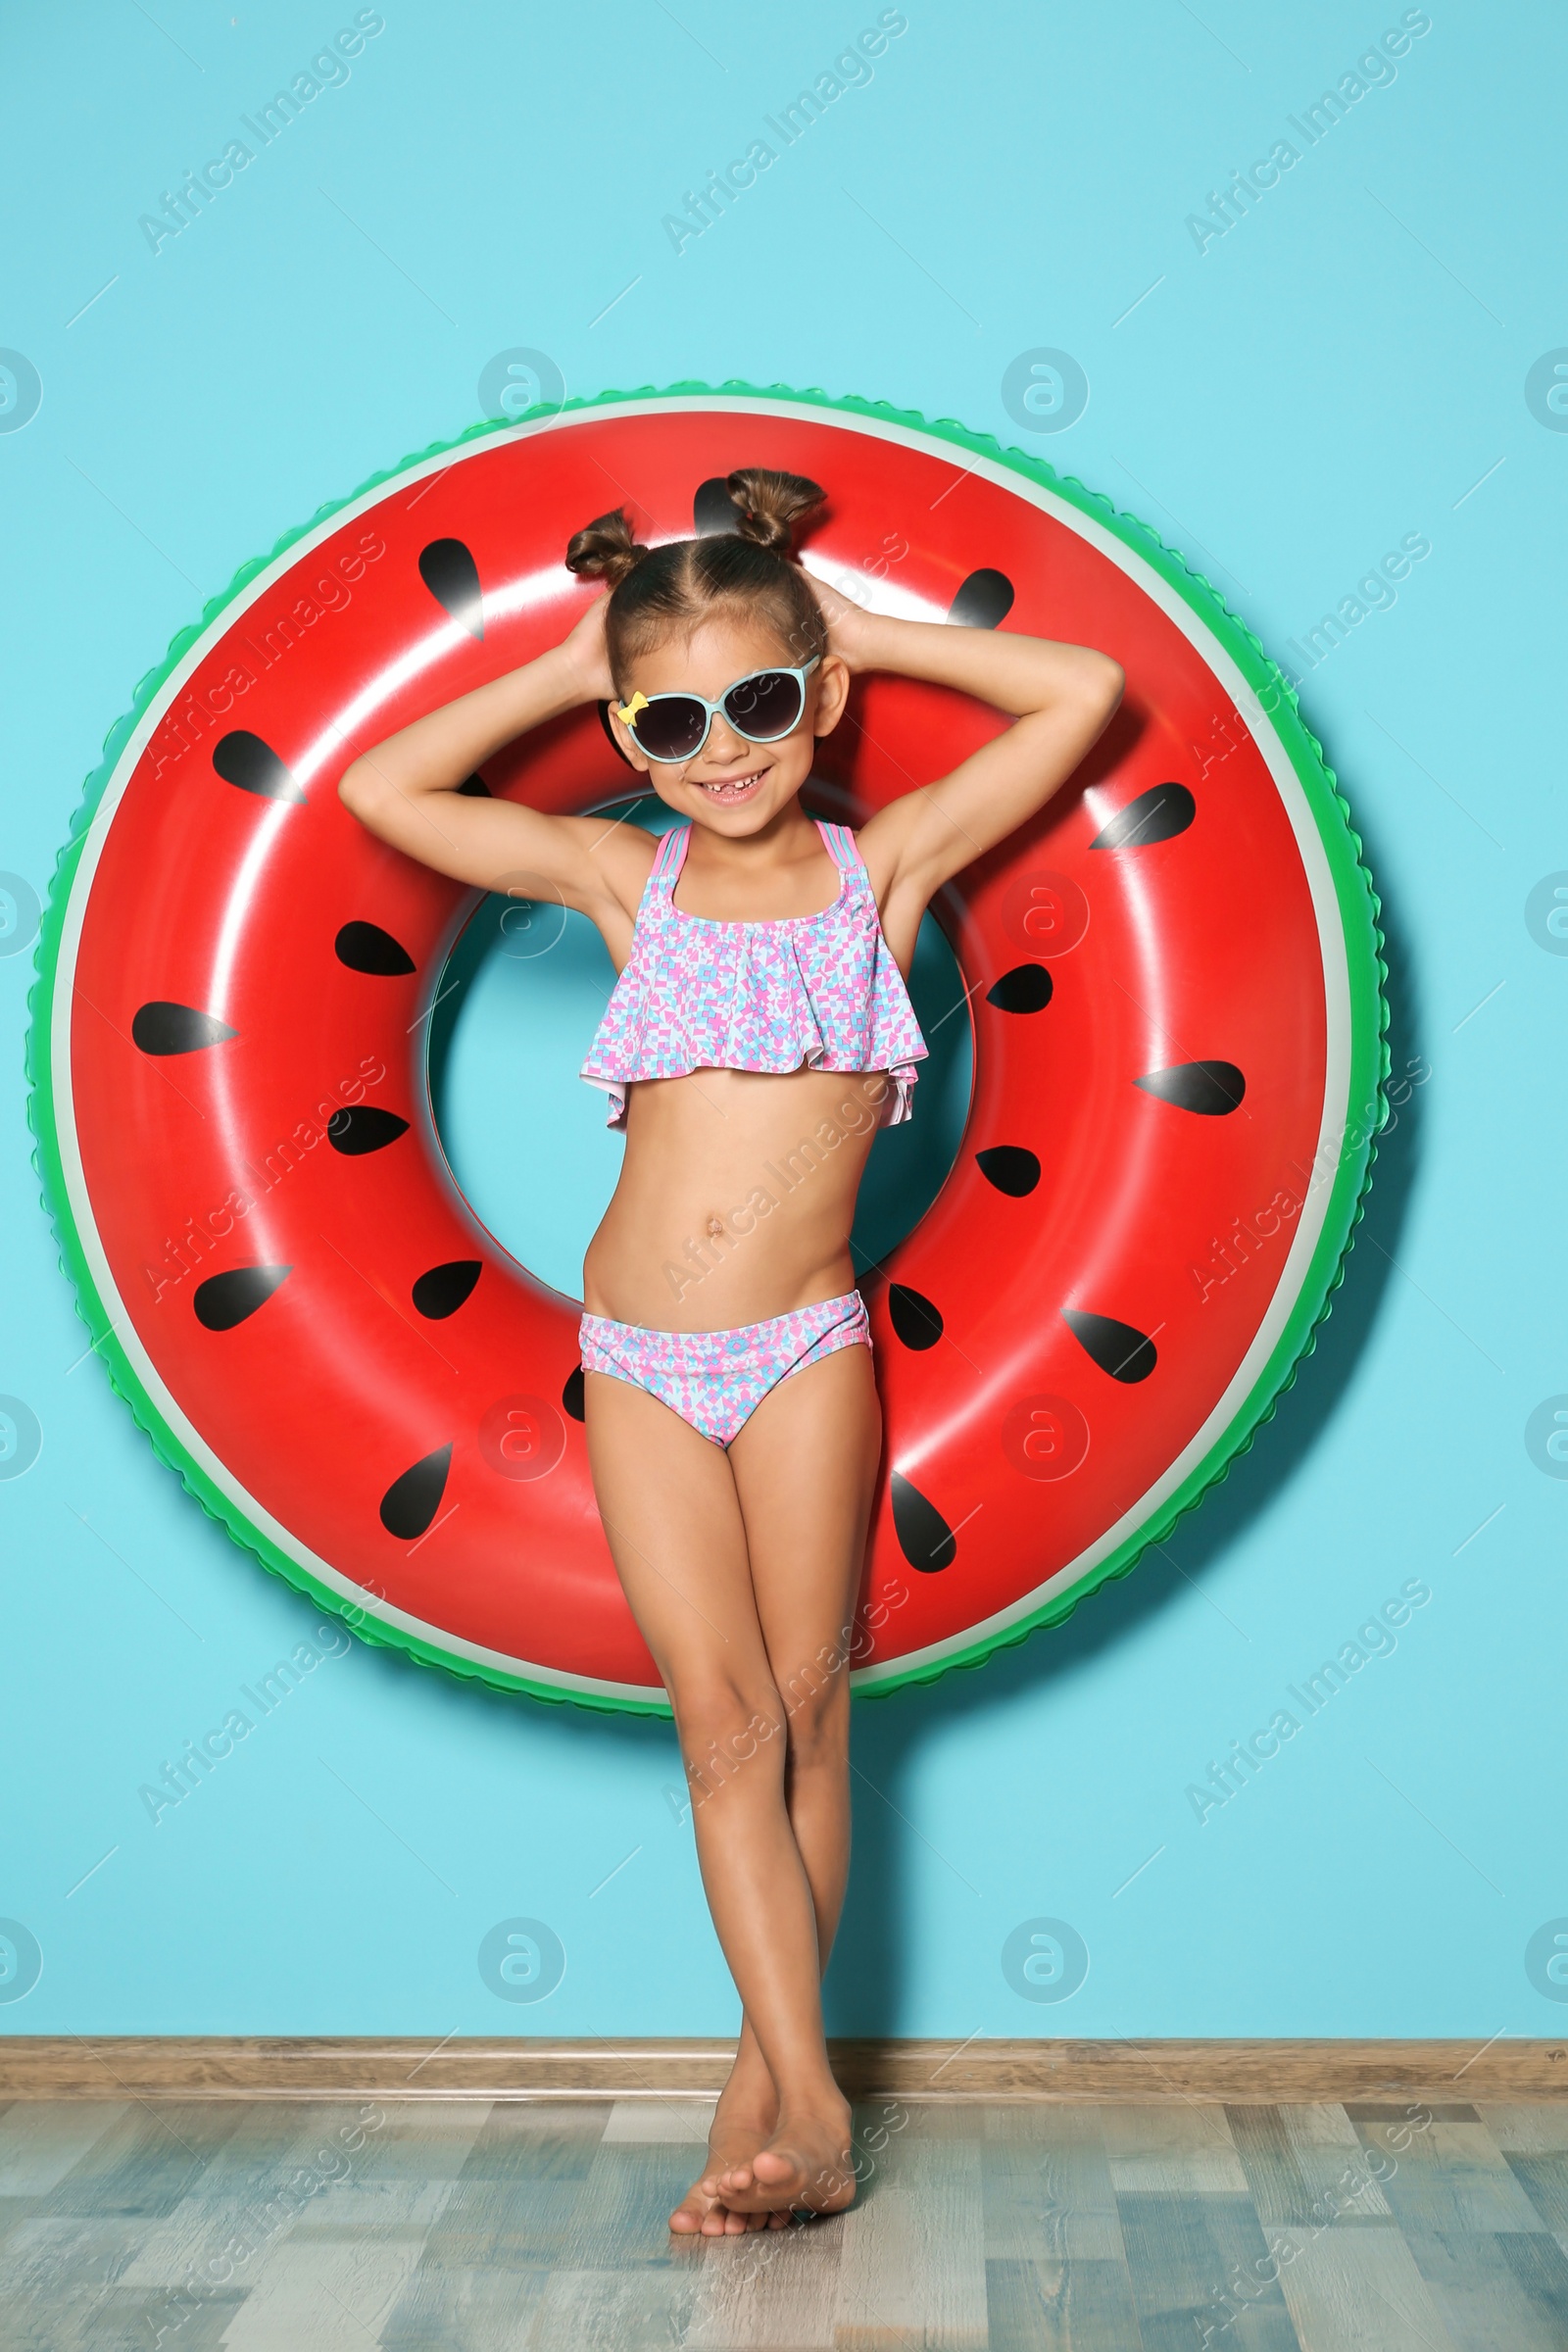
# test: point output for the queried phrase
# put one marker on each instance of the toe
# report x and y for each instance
(687, 2217)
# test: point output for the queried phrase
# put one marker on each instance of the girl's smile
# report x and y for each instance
(731, 778)
(731, 790)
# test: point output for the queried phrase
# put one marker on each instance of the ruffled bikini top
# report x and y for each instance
(808, 990)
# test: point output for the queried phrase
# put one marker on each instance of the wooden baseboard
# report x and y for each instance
(1238, 2073)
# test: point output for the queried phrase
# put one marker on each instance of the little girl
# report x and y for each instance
(760, 1022)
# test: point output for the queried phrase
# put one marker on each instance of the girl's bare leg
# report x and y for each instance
(805, 1468)
(672, 1510)
(807, 1541)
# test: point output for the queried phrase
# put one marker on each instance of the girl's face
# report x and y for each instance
(732, 786)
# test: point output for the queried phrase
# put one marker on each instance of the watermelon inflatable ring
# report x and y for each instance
(1173, 982)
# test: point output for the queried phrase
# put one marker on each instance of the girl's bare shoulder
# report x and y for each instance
(620, 851)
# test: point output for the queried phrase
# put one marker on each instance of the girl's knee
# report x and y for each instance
(820, 1722)
(724, 1723)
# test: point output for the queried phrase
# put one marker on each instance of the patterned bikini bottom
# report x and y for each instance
(716, 1378)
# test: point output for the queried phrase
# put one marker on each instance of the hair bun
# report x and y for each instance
(770, 505)
(605, 549)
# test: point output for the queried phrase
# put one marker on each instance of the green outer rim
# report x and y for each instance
(1366, 972)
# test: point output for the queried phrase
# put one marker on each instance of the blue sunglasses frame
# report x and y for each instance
(628, 713)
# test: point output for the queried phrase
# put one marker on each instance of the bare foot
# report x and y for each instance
(743, 2122)
(806, 2166)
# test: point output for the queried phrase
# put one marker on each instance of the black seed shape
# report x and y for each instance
(612, 738)
(571, 1396)
(474, 788)
(1210, 1088)
(243, 759)
(925, 1539)
(452, 575)
(984, 600)
(225, 1300)
(1116, 1348)
(162, 1028)
(1027, 988)
(917, 1323)
(1157, 815)
(413, 1500)
(1010, 1168)
(364, 1127)
(367, 948)
(442, 1289)
(714, 513)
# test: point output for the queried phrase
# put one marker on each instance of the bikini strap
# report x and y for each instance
(671, 853)
(841, 845)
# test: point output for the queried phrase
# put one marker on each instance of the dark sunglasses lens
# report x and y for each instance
(671, 728)
(769, 704)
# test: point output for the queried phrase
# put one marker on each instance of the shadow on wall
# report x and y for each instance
(868, 1980)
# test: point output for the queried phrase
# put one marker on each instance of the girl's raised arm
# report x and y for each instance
(406, 789)
(1061, 698)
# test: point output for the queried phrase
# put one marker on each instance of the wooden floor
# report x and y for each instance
(469, 2225)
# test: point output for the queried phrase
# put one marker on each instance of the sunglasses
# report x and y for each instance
(763, 706)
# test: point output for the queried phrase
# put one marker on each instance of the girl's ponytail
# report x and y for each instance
(772, 504)
(605, 548)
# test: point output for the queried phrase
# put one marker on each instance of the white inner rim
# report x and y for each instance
(1314, 859)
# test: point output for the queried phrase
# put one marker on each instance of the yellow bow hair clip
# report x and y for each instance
(627, 712)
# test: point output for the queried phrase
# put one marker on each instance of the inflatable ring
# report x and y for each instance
(1173, 979)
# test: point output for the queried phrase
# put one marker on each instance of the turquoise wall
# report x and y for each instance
(1367, 353)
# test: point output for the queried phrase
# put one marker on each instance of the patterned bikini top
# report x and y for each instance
(815, 989)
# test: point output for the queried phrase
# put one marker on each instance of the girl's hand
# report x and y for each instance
(584, 649)
(851, 632)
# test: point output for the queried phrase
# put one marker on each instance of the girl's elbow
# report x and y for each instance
(358, 790)
(1103, 693)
